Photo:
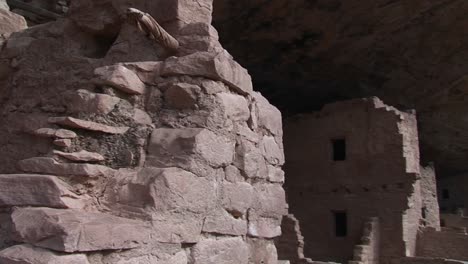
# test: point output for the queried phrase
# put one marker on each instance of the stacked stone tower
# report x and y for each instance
(118, 151)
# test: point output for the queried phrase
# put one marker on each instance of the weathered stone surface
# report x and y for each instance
(121, 78)
(233, 174)
(87, 125)
(182, 95)
(262, 251)
(269, 117)
(48, 165)
(55, 133)
(275, 174)
(236, 198)
(222, 250)
(11, 22)
(141, 117)
(270, 200)
(81, 155)
(27, 254)
(221, 222)
(176, 189)
(173, 146)
(235, 106)
(63, 143)
(4, 5)
(215, 66)
(84, 101)
(77, 231)
(271, 151)
(36, 190)
(264, 227)
(177, 227)
(249, 159)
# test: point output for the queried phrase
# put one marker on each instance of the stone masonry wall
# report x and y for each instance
(377, 178)
(118, 151)
(442, 245)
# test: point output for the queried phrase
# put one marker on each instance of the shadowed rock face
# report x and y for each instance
(303, 54)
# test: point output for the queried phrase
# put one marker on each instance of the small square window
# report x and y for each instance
(341, 223)
(339, 149)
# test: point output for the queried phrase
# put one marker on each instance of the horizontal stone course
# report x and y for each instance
(27, 254)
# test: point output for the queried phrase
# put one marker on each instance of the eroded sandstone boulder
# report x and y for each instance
(27, 254)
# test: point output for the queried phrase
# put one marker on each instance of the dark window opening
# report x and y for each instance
(341, 224)
(339, 149)
(424, 213)
(445, 194)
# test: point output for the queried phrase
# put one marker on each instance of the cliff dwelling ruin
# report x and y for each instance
(233, 132)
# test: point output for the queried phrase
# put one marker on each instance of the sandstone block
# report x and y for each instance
(63, 143)
(264, 227)
(235, 106)
(4, 5)
(141, 117)
(87, 125)
(263, 251)
(272, 151)
(250, 160)
(11, 22)
(223, 250)
(182, 95)
(233, 174)
(81, 155)
(84, 101)
(181, 227)
(183, 11)
(176, 189)
(269, 117)
(236, 198)
(36, 190)
(121, 78)
(27, 254)
(270, 200)
(181, 146)
(76, 231)
(46, 165)
(220, 67)
(221, 222)
(55, 133)
(275, 174)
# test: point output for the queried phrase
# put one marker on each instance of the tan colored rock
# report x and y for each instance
(81, 155)
(220, 67)
(269, 117)
(55, 133)
(4, 5)
(221, 222)
(27, 254)
(121, 78)
(275, 174)
(263, 251)
(177, 227)
(233, 175)
(222, 250)
(235, 106)
(84, 101)
(176, 189)
(249, 159)
(182, 95)
(237, 198)
(66, 143)
(36, 190)
(270, 200)
(174, 146)
(272, 151)
(11, 22)
(48, 165)
(77, 231)
(141, 117)
(87, 125)
(264, 227)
